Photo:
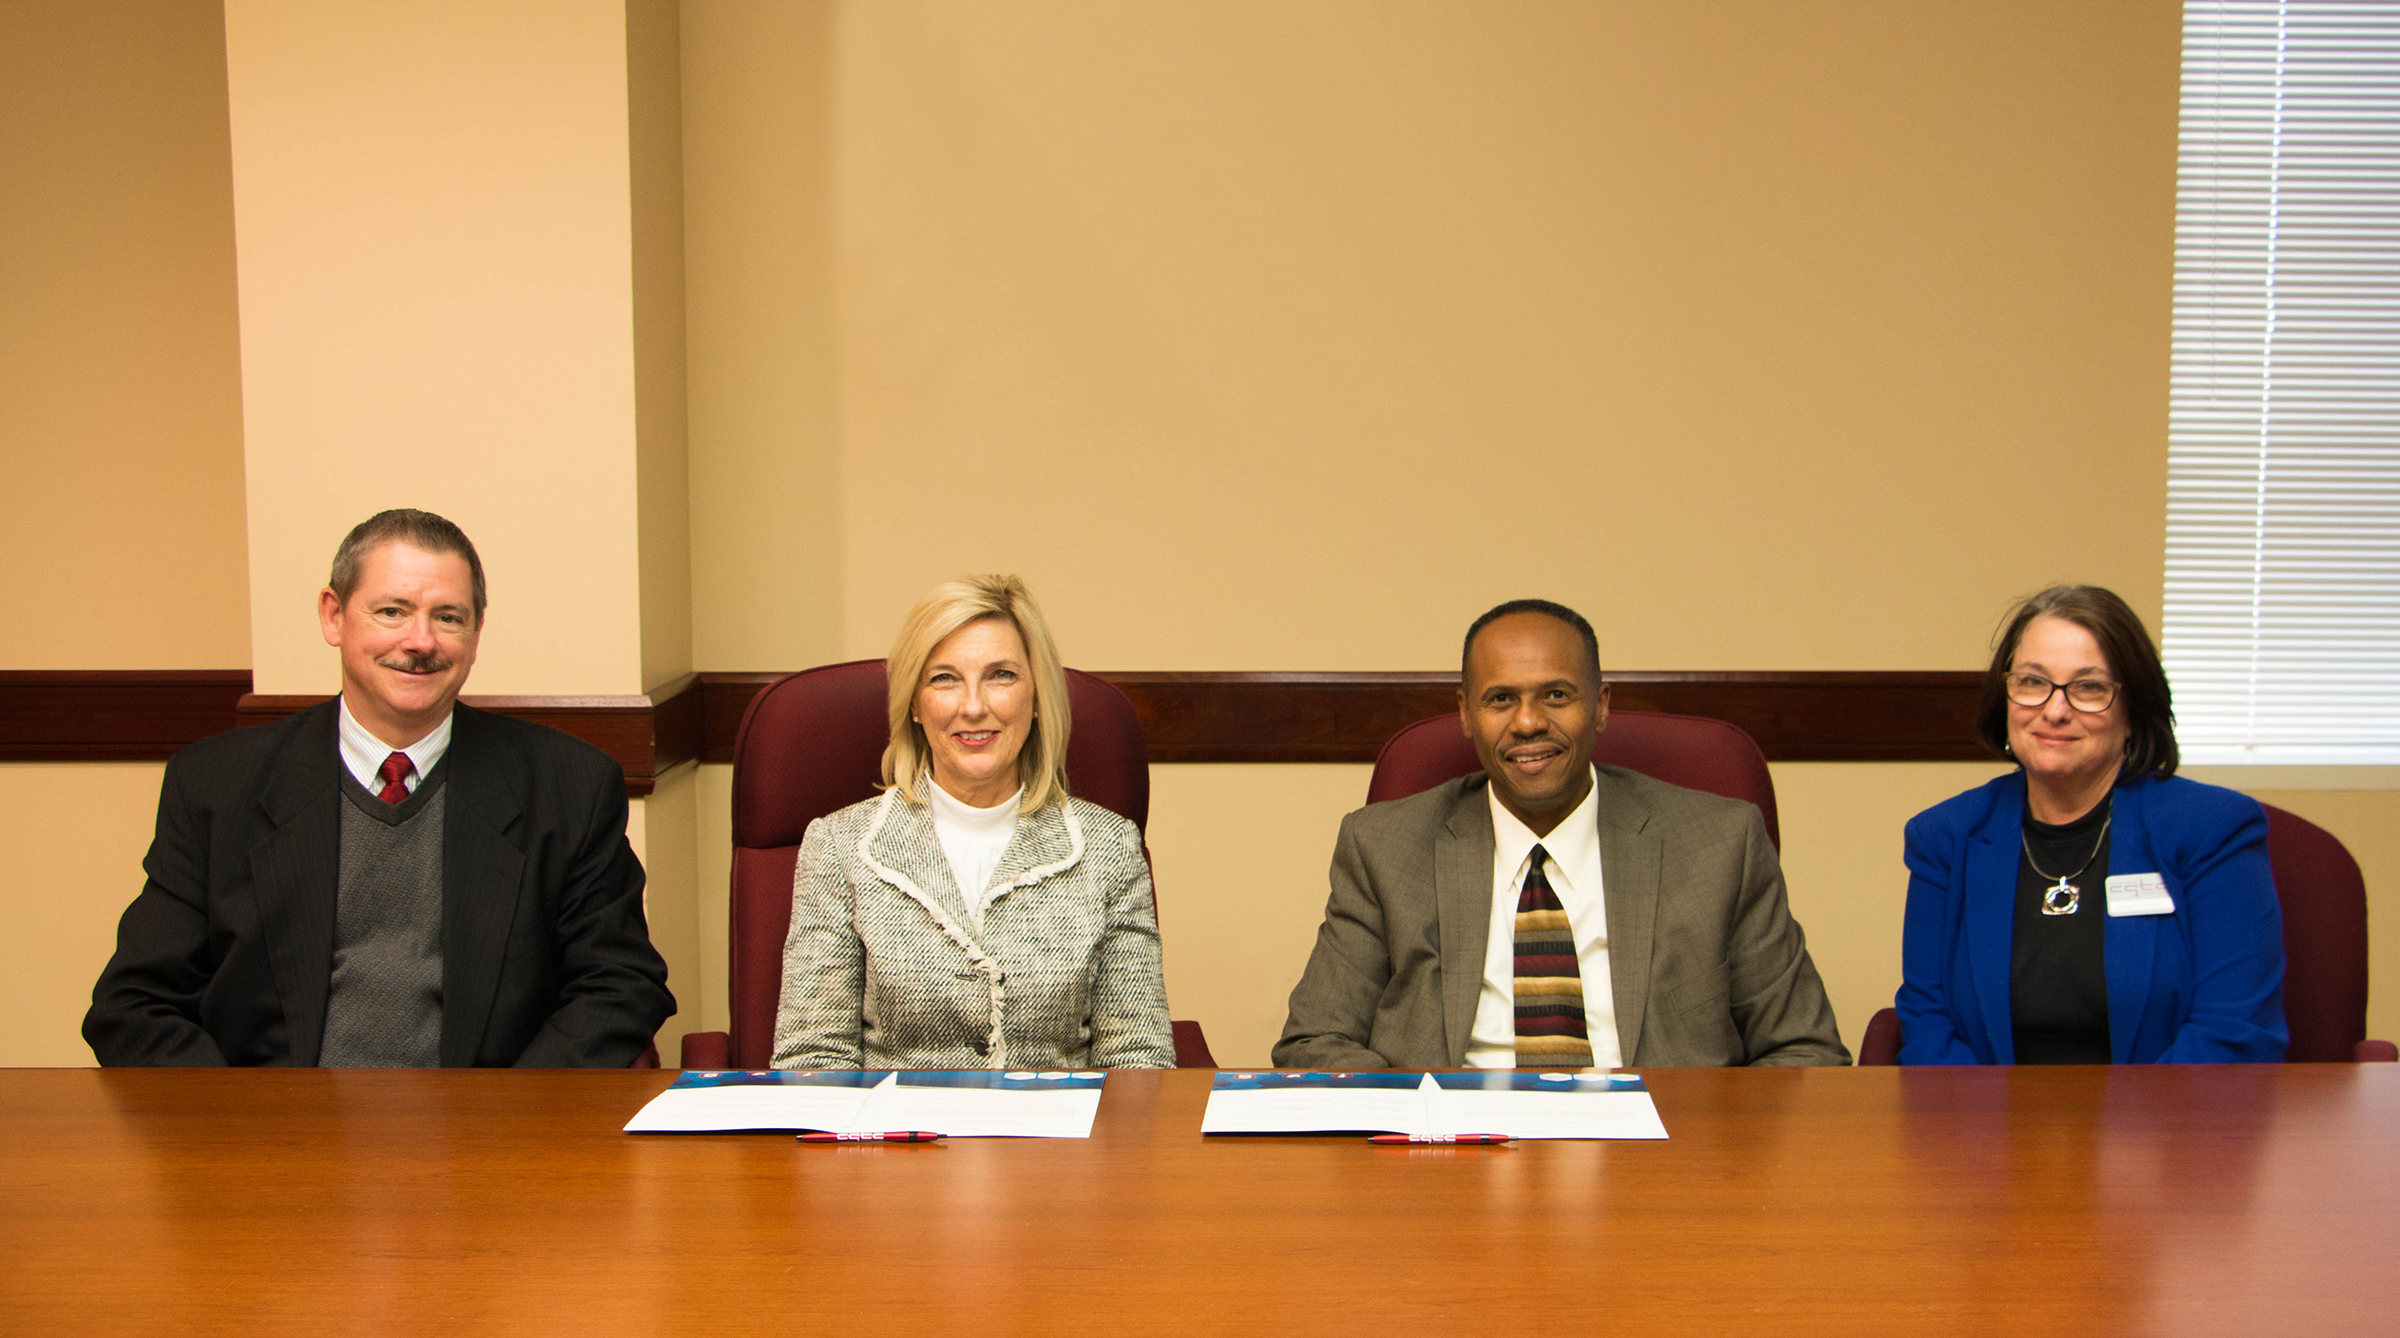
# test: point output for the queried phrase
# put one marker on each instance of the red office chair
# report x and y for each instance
(1695, 752)
(2324, 900)
(813, 743)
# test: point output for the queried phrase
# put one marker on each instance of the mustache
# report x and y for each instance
(416, 664)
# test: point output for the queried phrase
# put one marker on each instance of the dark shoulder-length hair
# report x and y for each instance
(2132, 661)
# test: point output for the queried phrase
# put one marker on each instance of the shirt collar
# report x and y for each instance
(1573, 844)
(363, 753)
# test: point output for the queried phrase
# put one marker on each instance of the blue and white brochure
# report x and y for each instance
(1519, 1103)
(971, 1104)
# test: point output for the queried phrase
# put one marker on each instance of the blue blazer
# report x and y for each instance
(2201, 985)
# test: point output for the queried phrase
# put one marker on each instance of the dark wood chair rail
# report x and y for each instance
(1186, 717)
(2186, 1200)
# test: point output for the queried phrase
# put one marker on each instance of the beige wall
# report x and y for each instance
(654, 116)
(432, 201)
(121, 521)
(1258, 336)
(1196, 314)
(766, 504)
(71, 843)
(120, 392)
(1262, 335)
(664, 829)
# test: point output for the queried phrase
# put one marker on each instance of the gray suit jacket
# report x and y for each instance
(884, 969)
(1705, 962)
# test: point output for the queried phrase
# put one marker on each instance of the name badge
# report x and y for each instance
(2139, 894)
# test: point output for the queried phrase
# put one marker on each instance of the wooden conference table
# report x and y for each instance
(2083, 1201)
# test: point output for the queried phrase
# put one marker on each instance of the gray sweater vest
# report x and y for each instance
(385, 1009)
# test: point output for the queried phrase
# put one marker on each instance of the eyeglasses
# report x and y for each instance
(2084, 694)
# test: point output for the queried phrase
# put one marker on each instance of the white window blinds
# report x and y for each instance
(2282, 630)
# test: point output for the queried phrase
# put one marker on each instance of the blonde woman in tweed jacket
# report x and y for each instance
(1051, 961)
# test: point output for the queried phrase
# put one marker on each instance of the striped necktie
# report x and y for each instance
(1550, 1023)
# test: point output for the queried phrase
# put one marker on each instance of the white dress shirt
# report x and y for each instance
(1574, 872)
(363, 753)
(973, 839)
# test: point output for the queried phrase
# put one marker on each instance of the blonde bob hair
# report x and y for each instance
(1042, 765)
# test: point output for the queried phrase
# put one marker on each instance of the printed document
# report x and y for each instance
(1518, 1103)
(972, 1104)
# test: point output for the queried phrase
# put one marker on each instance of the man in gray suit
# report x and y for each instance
(1550, 912)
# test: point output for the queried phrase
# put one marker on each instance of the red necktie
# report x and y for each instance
(394, 775)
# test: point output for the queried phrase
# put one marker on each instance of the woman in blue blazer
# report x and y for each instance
(2089, 907)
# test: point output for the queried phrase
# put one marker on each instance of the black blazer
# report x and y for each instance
(226, 957)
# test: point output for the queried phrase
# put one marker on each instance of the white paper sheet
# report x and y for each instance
(1519, 1104)
(975, 1104)
(715, 1103)
(1293, 1103)
(1543, 1105)
(991, 1105)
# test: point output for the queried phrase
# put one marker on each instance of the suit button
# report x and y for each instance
(983, 1048)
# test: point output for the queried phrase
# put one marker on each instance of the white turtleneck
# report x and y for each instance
(973, 839)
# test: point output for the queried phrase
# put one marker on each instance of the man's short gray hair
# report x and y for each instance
(417, 529)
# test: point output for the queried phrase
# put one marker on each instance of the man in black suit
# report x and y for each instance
(388, 879)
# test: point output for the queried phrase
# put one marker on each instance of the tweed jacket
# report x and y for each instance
(1706, 966)
(884, 969)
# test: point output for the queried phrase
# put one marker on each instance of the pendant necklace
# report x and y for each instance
(2061, 897)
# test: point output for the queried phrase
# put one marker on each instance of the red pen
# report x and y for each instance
(1437, 1138)
(896, 1136)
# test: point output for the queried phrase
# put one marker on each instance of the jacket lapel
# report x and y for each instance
(2129, 944)
(905, 843)
(295, 872)
(1462, 901)
(1040, 846)
(483, 884)
(1629, 883)
(1990, 912)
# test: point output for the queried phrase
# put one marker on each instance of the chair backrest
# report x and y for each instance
(813, 743)
(2324, 900)
(1693, 751)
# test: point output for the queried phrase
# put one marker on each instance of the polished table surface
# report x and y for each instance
(2084, 1201)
